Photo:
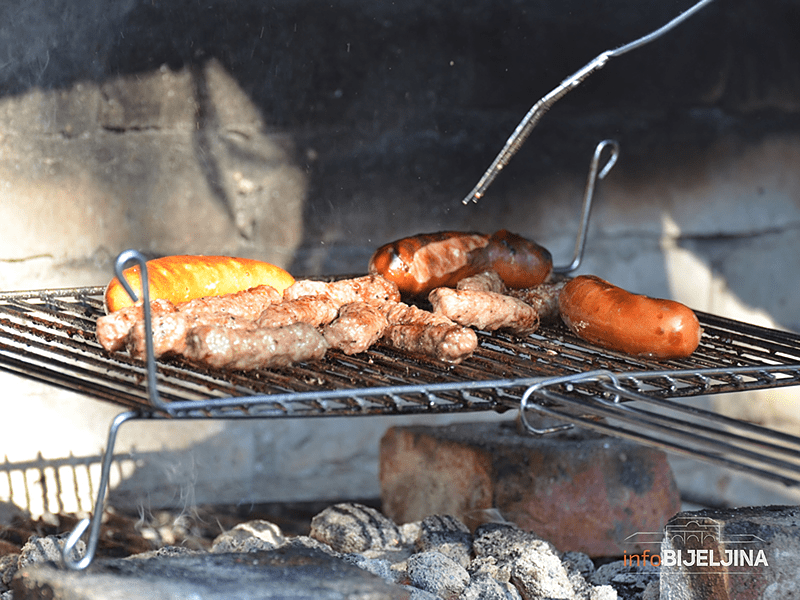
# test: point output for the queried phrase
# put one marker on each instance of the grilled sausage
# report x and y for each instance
(183, 278)
(520, 263)
(606, 315)
(423, 262)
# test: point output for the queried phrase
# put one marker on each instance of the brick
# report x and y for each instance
(582, 492)
(762, 545)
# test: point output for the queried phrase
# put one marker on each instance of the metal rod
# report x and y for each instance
(124, 259)
(69, 551)
(537, 111)
(660, 443)
(588, 194)
(687, 436)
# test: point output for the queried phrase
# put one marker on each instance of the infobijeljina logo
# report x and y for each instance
(695, 543)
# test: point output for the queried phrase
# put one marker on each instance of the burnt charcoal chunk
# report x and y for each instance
(351, 527)
(448, 535)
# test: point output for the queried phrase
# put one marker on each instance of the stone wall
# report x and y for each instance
(308, 133)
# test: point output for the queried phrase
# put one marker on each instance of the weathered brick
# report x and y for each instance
(761, 544)
(582, 492)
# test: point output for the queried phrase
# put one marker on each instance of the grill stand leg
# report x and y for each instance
(68, 553)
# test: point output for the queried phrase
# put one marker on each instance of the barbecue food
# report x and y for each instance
(314, 310)
(519, 262)
(543, 297)
(171, 329)
(254, 348)
(249, 303)
(488, 281)
(112, 329)
(357, 327)
(416, 330)
(370, 288)
(488, 311)
(613, 318)
(424, 262)
(183, 278)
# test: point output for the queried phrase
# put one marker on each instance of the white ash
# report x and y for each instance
(436, 573)
(252, 536)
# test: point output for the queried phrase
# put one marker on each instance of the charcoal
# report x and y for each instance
(410, 532)
(8, 568)
(580, 562)
(377, 566)
(507, 542)
(414, 593)
(304, 541)
(163, 552)
(351, 527)
(487, 565)
(448, 535)
(484, 587)
(252, 536)
(629, 581)
(46, 549)
(539, 573)
(436, 573)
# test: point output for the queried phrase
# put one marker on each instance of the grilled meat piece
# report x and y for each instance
(314, 310)
(115, 329)
(543, 298)
(170, 331)
(358, 326)
(112, 329)
(488, 311)
(416, 330)
(254, 348)
(488, 281)
(247, 303)
(370, 288)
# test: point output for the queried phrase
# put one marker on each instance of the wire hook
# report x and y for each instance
(595, 173)
(123, 259)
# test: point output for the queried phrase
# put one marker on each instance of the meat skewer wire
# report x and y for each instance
(537, 111)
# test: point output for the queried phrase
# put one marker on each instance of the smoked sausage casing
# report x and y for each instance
(606, 315)
(182, 278)
(423, 262)
(520, 263)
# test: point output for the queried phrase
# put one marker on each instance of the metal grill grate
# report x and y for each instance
(49, 335)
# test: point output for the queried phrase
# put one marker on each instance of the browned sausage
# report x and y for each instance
(423, 262)
(520, 263)
(606, 315)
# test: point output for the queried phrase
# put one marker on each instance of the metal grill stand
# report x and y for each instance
(49, 335)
